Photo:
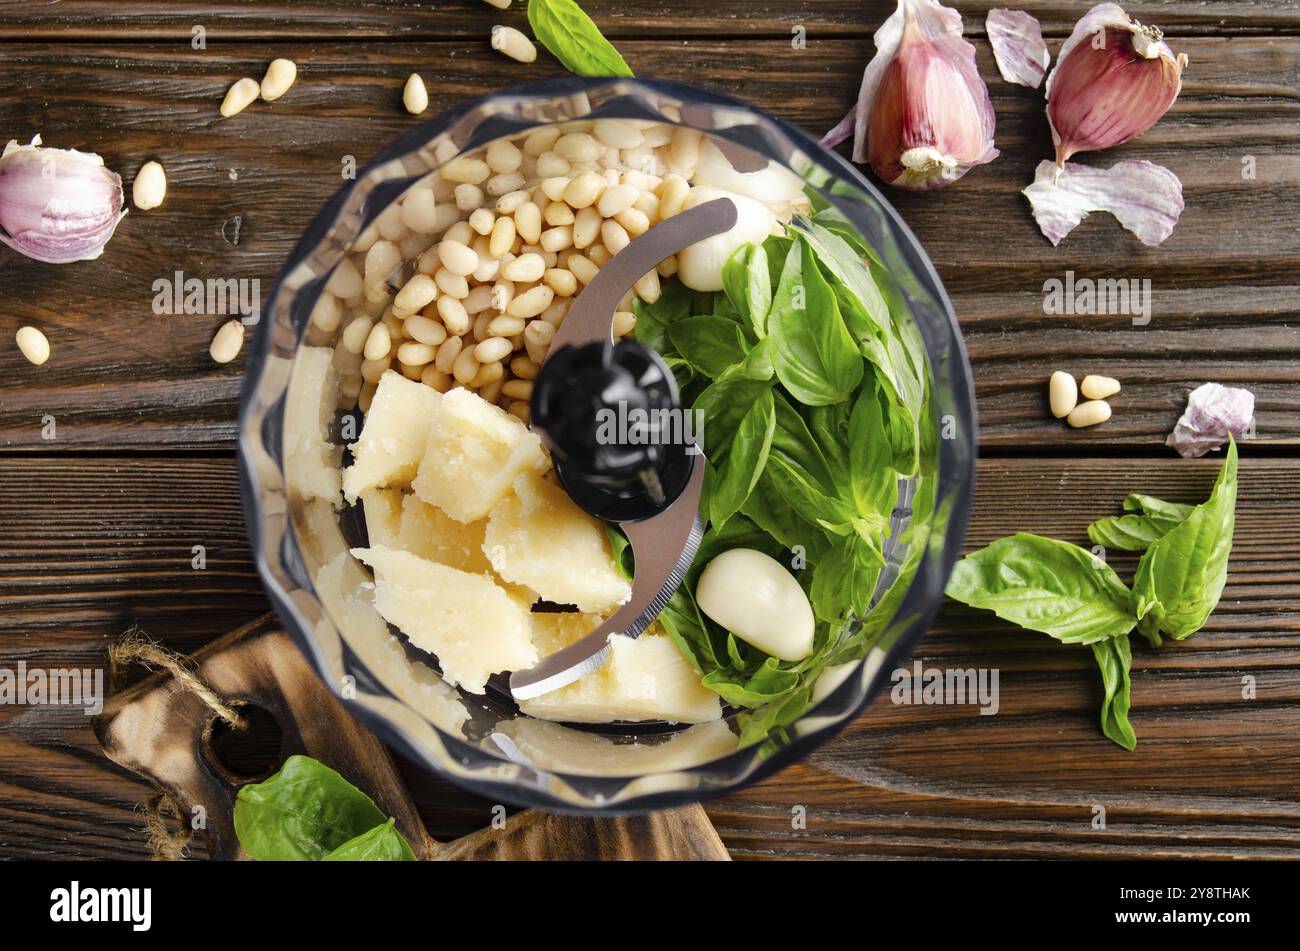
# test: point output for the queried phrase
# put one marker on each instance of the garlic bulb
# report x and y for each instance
(1114, 78)
(57, 205)
(699, 265)
(923, 117)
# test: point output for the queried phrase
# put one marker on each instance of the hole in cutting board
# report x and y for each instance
(247, 755)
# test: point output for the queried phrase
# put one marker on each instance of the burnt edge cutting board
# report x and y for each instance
(163, 732)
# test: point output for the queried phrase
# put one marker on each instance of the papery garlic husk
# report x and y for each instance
(924, 115)
(57, 205)
(1114, 78)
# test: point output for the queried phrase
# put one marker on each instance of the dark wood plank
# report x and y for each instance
(96, 20)
(1223, 285)
(106, 542)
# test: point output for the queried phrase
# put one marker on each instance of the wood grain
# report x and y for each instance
(1213, 775)
(125, 378)
(444, 20)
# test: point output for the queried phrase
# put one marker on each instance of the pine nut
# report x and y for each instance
(493, 350)
(598, 254)
(438, 379)
(480, 331)
(684, 152)
(616, 198)
(634, 222)
(410, 372)
(225, 345)
(586, 226)
(578, 147)
(452, 285)
(482, 220)
(468, 197)
(467, 171)
(614, 236)
(582, 268)
(524, 368)
(35, 346)
(372, 370)
(552, 189)
(479, 299)
(390, 223)
(382, 260)
(416, 354)
(379, 342)
(238, 98)
(648, 204)
(550, 165)
(503, 156)
(658, 134)
(1099, 387)
(647, 288)
(353, 338)
(668, 266)
(617, 133)
(624, 323)
(558, 213)
(525, 269)
(499, 4)
(541, 140)
(1062, 394)
(1090, 413)
(326, 313)
(414, 96)
(539, 332)
(508, 40)
(555, 240)
(518, 389)
(420, 211)
(672, 195)
(531, 302)
(465, 368)
(504, 184)
(487, 374)
(457, 258)
(448, 353)
(454, 316)
(425, 330)
(149, 187)
(279, 77)
(528, 222)
(491, 392)
(505, 326)
(520, 409)
(536, 351)
(561, 281)
(583, 190)
(555, 314)
(417, 292)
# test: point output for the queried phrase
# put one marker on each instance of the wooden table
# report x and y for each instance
(97, 525)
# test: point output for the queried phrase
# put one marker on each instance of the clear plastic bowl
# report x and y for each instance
(301, 542)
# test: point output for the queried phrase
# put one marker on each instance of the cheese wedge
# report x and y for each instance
(383, 511)
(645, 678)
(311, 461)
(394, 437)
(431, 533)
(538, 537)
(466, 620)
(475, 452)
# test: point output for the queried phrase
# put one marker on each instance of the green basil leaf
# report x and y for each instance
(709, 344)
(844, 580)
(746, 281)
(383, 843)
(1157, 508)
(676, 302)
(622, 551)
(757, 725)
(812, 353)
(1114, 657)
(776, 248)
(739, 689)
(775, 517)
(722, 406)
(302, 813)
(1181, 577)
(800, 475)
(745, 459)
(1131, 532)
(1045, 585)
(573, 39)
(834, 221)
(872, 478)
(685, 624)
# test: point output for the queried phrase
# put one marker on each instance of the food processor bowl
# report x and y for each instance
(301, 541)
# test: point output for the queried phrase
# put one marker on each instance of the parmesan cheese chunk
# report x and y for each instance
(475, 451)
(644, 679)
(473, 626)
(431, 533)
(383, 511)
(394, 436)
(311, 461)
(538, 537)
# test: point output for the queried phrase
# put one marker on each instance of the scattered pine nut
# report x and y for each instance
(414, 96)
(228, 342)
(240, 96)
(149, 187)
(508, 40)
(499, 4)
(1098, 387)
(1062, 394)
(279, 77)
(35, 346)
(1090, 413)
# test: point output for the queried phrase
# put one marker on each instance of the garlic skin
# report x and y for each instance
(57, 205)
(924, 117)
(1114, 78)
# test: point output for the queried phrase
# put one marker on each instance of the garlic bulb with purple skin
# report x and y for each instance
(924, 117)
(57, 205)
(1114, 78)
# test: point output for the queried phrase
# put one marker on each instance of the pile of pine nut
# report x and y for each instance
(501, 241)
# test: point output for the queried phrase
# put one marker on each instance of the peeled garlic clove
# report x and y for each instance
(57, 205)
(1114, 78)
(754, 597)
(780, 189)
(699, 265)
(924, 115)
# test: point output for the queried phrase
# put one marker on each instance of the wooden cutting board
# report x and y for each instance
(165, 733)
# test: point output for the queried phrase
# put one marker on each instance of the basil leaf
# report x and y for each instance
(776, 248)
(844, 580)
(800, 474)
(722, 406)
(1157, 508)
(872, 478)
(1133, 532)
(621, 549)
(1045, 585)
(747, 283)
(709, 344)
(757, 364)
(745, 459)
(757, 725)
(383, 843)
(1114, 657)
(1181, 577)
(770, 681)
(302, 813)
(676, 302)
(770, 513)
(573, 39)
(812, 353)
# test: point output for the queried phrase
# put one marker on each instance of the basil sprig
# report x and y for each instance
(308, 812)
(1060, 589)
(573, 39)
